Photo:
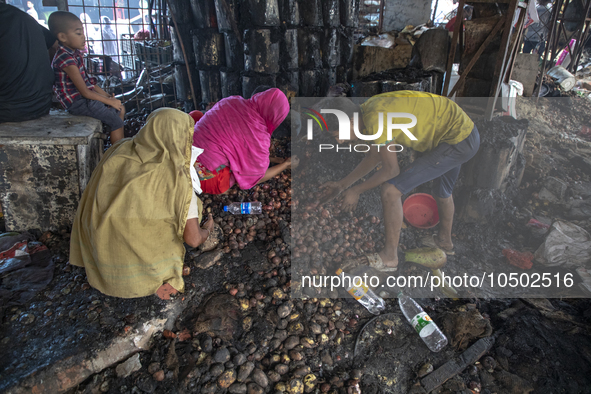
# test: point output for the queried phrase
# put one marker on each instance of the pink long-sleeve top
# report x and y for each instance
(236, 133)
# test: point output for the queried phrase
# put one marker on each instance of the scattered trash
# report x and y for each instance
(564, 55)
(585, 276)
(425, 370)
(220, 316)
(358, 290)
(537, 224)
(245, 208)
(564, 78)
(567, 245)
(554, 190)
(519, 259)
(384, 40)
(465, 325)
(26, 267)
(422, 323)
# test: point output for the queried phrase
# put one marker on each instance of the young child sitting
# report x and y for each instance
(75, 90)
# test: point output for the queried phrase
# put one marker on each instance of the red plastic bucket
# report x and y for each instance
(420, 210)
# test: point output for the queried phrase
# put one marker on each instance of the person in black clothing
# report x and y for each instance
(27, 77)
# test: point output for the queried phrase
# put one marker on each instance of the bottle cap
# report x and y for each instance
(225, 208)
(339, 271)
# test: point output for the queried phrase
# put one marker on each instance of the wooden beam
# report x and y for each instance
(477, 55)
(515, 47)
(504, 48)
(454, 44)
(457, 364)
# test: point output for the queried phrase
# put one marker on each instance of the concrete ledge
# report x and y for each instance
(57, 128)
(45, 164)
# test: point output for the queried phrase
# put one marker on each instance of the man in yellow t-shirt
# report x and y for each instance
(389, 122)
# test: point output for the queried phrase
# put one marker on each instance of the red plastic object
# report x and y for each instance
(537, 224)
(519, 259)
(196, 115)
(420, 210)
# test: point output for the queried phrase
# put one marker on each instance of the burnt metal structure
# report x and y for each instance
(510, 39)
(560, 34)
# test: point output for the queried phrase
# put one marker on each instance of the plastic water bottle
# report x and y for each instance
(366, 297)
(244, 208)
(422, 323)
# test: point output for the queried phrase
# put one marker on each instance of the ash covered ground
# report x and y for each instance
(243, 333)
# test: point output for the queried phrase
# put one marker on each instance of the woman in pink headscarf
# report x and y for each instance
(235, 136)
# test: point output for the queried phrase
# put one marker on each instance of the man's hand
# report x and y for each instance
(113, 102)
(331, 190)
(350, 200)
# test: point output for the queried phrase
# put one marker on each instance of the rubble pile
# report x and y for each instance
(392, 80)
(241, 331)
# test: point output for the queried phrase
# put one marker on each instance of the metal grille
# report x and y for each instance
(129, 50)
(371, 14)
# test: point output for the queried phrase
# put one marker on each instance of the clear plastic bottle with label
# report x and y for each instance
(359, 290)
(244, 208)
(422, 323)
